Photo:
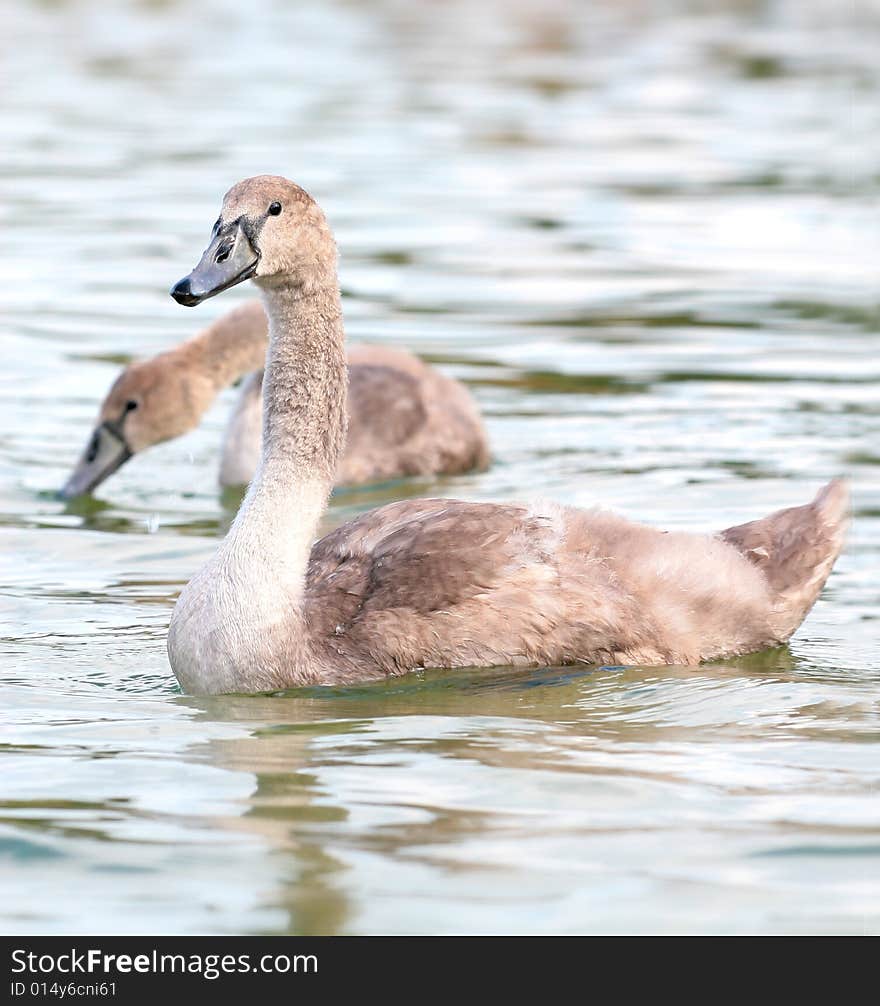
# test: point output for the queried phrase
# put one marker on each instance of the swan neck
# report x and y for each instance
(305, 386)
(304, 429)
(232, 346)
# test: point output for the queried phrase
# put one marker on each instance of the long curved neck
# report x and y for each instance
(234, 345)
(305, 384)
(304, 428)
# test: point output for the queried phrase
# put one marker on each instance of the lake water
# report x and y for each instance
(648, 238)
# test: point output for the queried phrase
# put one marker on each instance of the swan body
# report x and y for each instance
(243, 437)
(404, 418)
(442, 583)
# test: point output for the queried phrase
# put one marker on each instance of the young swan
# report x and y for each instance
(405, 418)
(441, 583)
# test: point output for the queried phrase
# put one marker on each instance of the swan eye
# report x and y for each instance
(274, 209)
(131, 405)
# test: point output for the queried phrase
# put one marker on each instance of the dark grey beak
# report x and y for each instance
(229, 259)
(105, 452)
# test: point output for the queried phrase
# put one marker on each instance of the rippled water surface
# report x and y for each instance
(648, 237)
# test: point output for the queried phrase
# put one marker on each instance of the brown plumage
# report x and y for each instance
(444, 583)
(405, 418)
(795, 549)
(406, 585)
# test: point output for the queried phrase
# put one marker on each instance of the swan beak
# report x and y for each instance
(229, 259)
(105, 452)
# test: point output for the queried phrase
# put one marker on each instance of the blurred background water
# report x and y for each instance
(647, 235)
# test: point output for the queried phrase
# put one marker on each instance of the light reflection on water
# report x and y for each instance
(649, 244)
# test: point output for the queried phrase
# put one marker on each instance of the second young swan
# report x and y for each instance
(405, 418)
(441, 583)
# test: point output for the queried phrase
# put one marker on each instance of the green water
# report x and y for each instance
(649, 243)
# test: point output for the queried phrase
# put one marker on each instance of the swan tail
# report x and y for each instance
(796, 549)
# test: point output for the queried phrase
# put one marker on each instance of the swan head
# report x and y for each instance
(269, 230)
(150, 402)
